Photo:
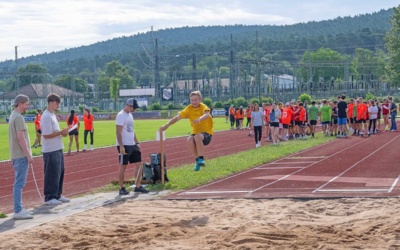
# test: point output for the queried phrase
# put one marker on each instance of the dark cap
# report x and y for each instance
(20, 99)
(132, 102)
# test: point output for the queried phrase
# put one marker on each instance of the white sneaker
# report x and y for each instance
(28, 212)
(22, 215)
(91, 147)
(53, 202)
(258, 145)
(64, 199)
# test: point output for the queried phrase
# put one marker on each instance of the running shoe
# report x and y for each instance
(141, 189)
(123, 191)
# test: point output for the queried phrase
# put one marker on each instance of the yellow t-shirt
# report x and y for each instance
(205, 126)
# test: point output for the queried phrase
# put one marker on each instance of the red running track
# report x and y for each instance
(93, 169)
(353, 167)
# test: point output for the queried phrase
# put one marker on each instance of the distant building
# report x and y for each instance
(37, 94)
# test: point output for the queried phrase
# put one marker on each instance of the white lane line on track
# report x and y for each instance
(213, 192)
(353, 190)
(293, 162)
(252, 169)
(394, 184)
(266, 168)
(355, 164)
(295, 172)
(306, 157)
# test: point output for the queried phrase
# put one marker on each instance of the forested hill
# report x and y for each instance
(367, 30)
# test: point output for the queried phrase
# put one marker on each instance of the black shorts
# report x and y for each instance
(291, 123)
(39, 131)
(334, 121)
(232, 118)
(274, 124)
(207, 138)
(285, 125)
(298, 123)
(351, 121)
(313, 122)
(362, 121)
(73, 132)
(226, 114)
(132, 155)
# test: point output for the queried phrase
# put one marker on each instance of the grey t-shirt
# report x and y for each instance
(17, 123)
(48, 125)
(256, 117)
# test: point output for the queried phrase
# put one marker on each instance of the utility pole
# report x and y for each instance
(232, 68)
(157, 69)
(16, 70)
(258, 71)
(194, 68)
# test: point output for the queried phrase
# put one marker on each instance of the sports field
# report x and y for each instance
(104, 134)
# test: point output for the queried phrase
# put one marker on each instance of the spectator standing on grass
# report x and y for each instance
(385, 114)
(88, 119)
(257, 118)
(73, 121)
(226, 108)
(342, 116)
(20, 152)
(313, 117)
(38, 116)
(287, 113)
(52, 149)
(393, 113)
(232, 115)
(326, 116)
(128, 146)
(202, 127)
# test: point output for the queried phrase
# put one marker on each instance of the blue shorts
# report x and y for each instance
(342, 121)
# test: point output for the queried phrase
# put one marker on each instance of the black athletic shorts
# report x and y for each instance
(285, 125)
(73, 132)
(362, 121)
(132, 155)
(207, 138)
(39, 131)
(299, 123)
(274, 124)
(313, 122)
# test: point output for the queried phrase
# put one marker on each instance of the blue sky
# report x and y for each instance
(39, 26)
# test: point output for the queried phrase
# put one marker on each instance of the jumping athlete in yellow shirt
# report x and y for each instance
(202, 127)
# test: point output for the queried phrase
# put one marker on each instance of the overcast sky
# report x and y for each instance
(39, 26)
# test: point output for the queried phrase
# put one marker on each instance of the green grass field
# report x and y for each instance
(104, 134)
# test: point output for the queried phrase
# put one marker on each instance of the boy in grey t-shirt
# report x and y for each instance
(20, 152)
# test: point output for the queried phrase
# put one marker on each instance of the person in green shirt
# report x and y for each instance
(326, 114)
(313, 113)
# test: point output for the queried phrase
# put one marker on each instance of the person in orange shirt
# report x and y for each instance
(362, 110)
(88, 122)
(38, 115)
(239, 118)
(286, 120)
(350, 107)
(73, 121)
(248, 116)
(232, 115)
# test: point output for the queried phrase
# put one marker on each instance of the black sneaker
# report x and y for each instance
(123, 191)
(140, 190)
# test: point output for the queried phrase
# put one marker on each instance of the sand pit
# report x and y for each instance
(222, 224)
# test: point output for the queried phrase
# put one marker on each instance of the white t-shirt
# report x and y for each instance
(48, 125)
(374, 112)
(128, 133)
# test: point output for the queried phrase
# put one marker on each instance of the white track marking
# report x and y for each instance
(295, 172)
(293, 162)
(214, 192)
(306, 157)
(266, 168)
(355, 164)
(394, 184)
(353, 190)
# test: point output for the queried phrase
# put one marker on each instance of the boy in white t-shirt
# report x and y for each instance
(128, 146)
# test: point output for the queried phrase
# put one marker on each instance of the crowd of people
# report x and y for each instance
(298, 120)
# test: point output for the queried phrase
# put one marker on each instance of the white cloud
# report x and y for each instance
(39, 26)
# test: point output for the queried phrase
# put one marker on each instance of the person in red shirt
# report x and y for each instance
(300, 118)
(89, 128)
(38, 115)
(286, 120)
(385, 113)
(267, 111)
(362, 110)
(73, 126)
(239, 117)
(350, 107)
(248, 117)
